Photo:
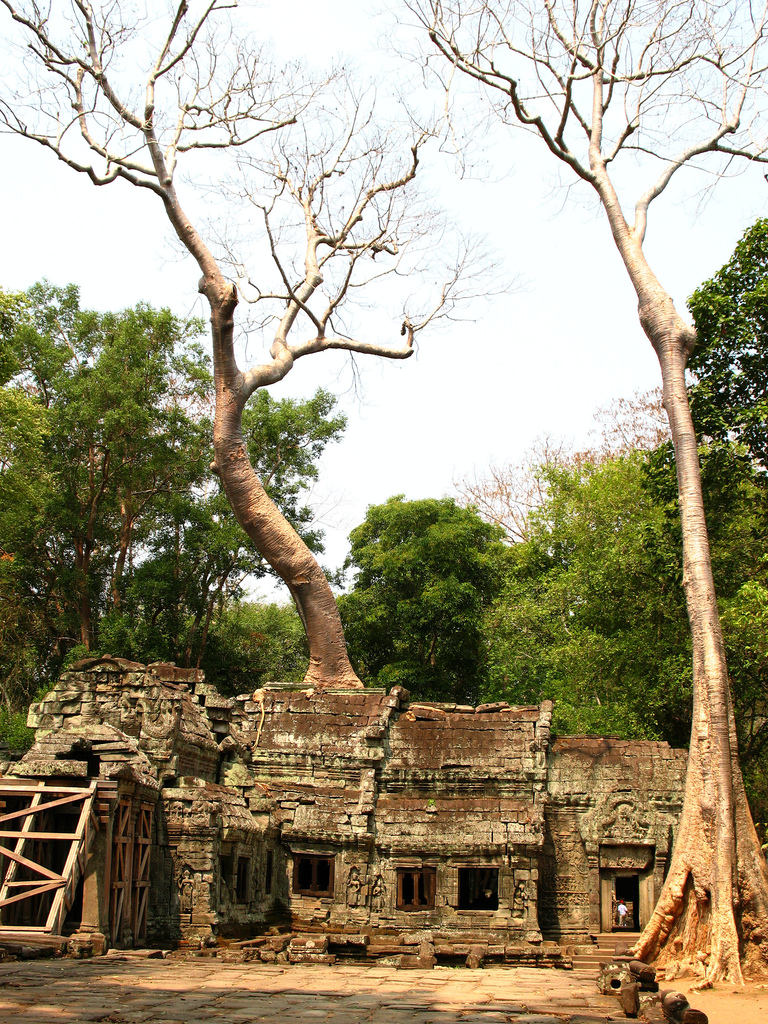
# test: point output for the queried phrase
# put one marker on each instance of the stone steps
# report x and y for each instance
(588, 964)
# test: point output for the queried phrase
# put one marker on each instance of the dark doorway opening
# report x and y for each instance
(478, 888)
(627, 888)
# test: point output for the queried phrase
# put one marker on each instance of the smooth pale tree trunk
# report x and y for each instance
(715, 897)
(254, 510)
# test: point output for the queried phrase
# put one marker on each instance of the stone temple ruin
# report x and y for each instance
(151, 810)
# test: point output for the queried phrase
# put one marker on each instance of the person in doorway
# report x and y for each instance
(621, 910)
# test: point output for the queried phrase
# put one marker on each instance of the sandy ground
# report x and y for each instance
(729, 1004)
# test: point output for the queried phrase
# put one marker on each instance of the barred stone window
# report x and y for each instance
(478, 888)
(416, 888)
(313, 876)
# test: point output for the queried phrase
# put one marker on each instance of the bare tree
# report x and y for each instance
(678, 84)
(507, 494)
(121, 97)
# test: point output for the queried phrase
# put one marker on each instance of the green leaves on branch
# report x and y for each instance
(114, 535)
(729, 400)
(592, 615)
(423, 573)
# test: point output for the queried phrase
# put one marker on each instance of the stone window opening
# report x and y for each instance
(241, 881)
(313, 876)
(268, 874)
(478, 888)
(416, 888)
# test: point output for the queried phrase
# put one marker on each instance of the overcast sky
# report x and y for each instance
(537, 360)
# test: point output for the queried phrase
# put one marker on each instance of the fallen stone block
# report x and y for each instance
(303, 956)
(309, 944)
(629, 997)
(476, 956)
(643, 972)
(613, 976)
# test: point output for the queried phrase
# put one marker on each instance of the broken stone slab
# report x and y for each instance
(629, 997)
(409, 962)
(613, 976)
(692, 1016)
(414, 938)
(49, 769)
(309, 944)
(385, 949)
(423, 713)
(349, 941)
(642, 971)
(677, 1010)
(308, 957)
(476, 956)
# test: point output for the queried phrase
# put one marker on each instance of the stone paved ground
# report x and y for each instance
(123, 990)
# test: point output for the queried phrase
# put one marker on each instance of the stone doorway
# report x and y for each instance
(626, 873)
(626, 887)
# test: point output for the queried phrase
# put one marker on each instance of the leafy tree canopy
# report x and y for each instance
(114, 535)
(592, 613)
(423, 572)
(730, 363)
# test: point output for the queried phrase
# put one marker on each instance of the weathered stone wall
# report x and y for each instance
(613, 809)
(361, 812)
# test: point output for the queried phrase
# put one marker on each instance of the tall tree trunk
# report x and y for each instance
(82, 594)
(716, 892)
(273, 536)
(715, 897)
(126, 531)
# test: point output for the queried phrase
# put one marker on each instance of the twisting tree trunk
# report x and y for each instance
(343, 174)
(255, 511)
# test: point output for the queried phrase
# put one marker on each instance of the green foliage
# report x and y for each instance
(424, 571)
(730, 364)
(592, 615)
(252, 644)
(114, 536)
(14, 732)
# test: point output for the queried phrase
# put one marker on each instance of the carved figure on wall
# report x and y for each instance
(519, 902)
(187, 890)
(353, 887)
(378, 894)
(626, 822)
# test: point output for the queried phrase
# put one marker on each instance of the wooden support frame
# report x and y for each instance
(34, 843)
(142, 846)
(121, 881)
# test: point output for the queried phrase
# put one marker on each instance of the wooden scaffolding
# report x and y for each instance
(46, 833)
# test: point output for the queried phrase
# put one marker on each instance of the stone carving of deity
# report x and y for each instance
(378, 893)
(353, 888)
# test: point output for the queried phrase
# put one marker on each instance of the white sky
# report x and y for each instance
(540, 360)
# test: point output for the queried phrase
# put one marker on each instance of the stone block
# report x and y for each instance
(309, 943)
(308, 957)
(629, 998)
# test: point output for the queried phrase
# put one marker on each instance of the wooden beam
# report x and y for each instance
(47, 887)
(38, 835)
(18, 859)
(81, 794)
